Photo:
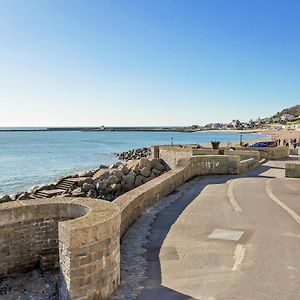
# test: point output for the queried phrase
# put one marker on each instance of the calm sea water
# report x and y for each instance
(32, 158)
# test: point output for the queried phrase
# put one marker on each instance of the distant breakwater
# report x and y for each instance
(95, 129)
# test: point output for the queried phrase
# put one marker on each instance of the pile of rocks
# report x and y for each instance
(5, 198)
(135, 154)
(110, 183)
(104, 183)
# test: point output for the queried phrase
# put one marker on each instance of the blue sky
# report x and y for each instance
(158, 62)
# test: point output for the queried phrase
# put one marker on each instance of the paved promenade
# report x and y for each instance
(228, 237)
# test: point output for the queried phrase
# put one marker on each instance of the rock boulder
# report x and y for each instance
(145, 172)
(5, 198)
(144, 163)
(112, 179)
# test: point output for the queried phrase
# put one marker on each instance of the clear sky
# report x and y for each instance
(158, 62)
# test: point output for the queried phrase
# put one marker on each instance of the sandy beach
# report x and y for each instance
(284, 134)
(273, 133)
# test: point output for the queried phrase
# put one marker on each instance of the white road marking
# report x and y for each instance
(238, 256)
(223, 234)
(293, 214)
(231, 197)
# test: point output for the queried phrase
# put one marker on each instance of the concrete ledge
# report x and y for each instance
(270, 152)
(293, 151)
(292, 170)
(244, 154)
(248, 164)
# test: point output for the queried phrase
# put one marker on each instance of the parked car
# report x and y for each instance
(264, 144)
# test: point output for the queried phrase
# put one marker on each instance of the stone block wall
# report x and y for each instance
(90, 258)
(22, 243)
(84, 232)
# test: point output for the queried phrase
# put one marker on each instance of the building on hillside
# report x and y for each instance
(287, 117)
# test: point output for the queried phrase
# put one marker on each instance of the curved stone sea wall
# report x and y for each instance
(86, 232)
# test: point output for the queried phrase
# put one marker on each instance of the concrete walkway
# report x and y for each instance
(228, 237)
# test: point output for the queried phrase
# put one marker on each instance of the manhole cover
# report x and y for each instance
(223, 234)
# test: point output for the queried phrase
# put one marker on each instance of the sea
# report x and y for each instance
(32, 158)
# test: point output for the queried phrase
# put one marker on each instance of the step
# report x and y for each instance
(100, 172)
(67, 181)
(63, 186)
(48, 193)
(40, 195)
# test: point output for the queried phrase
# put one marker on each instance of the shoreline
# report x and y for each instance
(31, 187)
(181, 129)
(246, 131)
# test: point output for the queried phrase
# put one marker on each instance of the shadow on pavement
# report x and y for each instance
(153, 289)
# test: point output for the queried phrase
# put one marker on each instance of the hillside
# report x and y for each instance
(294, 110)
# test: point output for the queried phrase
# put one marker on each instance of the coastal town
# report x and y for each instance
(288, 119)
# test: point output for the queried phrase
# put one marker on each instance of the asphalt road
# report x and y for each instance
(228, 237)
